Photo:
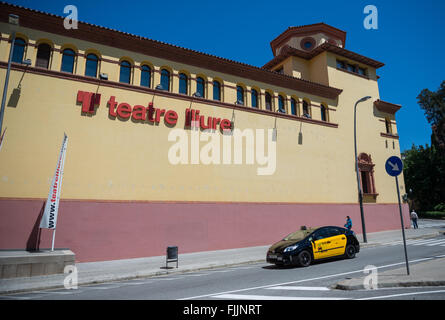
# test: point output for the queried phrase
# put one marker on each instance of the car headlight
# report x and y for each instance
(291, 248)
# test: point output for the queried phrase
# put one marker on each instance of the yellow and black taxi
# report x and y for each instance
(306, 245)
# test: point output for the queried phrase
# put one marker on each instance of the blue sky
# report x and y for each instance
(409, 39)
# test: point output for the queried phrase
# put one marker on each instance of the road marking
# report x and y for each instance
(436, 243)
(299, 288)
(260, 297)
(402, 294)
(303, 280)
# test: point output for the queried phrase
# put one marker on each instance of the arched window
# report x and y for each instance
(165, 79)
(19, 50)
(183, 83)
(254, 96)
(68, 58)
(239, 95)
(43, 55)
(293, 106)
(216, 90)
(91, 65)
(281, 107)
(268, 98)
(125, 73)
(306, 110)
(200, 87)
(324, 113)
(366, 170)
(146, 76)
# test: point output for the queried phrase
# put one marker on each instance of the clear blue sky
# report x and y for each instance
(409, 39)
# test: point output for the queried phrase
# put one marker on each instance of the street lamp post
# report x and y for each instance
(360, 193)
(13, 21)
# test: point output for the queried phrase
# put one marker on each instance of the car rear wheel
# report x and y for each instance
(350, 251)
(304, 258)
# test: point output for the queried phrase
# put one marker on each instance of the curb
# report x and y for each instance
(402, 284)
(124, 277)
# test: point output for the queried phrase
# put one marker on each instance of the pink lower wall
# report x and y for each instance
(108, 230)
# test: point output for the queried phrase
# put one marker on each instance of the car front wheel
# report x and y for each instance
(350, 251)
(304, 258)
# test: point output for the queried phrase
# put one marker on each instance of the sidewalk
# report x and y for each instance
(105, 271)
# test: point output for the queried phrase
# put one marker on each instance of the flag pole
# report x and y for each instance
(54, 237)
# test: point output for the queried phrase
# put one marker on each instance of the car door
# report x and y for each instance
(328, 242)
(320, 244)
(337, 240)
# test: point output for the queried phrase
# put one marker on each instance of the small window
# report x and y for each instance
(145, 76)
(216, 90)
(388, 126)
(165, 79)
(306, 111)
(350, 67)
(200, 87)
(239, 95)
(19, 50)
(293, 106)
(361, 71)
(340, 64)
(91, 65)
(268, 99)
(324, 113)
(43, 55)
(125, 73)
(307, 44)
(183, 83)
(254, 96)
(68, 58)
(281, 107)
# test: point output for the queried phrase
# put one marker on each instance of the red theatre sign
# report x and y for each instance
(123, 110)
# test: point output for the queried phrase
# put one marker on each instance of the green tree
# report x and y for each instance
(424, 167)
(433, 104)
(424, 172)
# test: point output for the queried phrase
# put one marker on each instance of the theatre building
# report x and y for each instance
(170, 146)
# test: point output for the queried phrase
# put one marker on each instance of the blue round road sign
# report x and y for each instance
(394, 166)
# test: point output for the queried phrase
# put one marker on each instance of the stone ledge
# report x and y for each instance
(20, 264)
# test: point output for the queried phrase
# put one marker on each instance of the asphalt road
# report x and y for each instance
(262, 281)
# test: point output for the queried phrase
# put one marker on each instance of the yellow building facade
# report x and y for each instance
(139, 176)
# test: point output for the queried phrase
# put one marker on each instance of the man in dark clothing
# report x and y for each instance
(348, 224)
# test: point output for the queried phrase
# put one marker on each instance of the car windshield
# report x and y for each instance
(299, 235)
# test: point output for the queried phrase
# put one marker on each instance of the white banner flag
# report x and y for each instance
(49, 218)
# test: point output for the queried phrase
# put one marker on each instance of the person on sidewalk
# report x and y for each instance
(348, 224)
(414, 218)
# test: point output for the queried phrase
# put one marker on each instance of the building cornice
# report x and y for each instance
(288, 51)
(387, 107)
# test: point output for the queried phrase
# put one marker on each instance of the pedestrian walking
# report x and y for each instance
(348, 224)
(414, 218)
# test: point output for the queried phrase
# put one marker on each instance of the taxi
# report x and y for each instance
(307, 245)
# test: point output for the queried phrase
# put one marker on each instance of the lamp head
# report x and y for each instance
(364, 99)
